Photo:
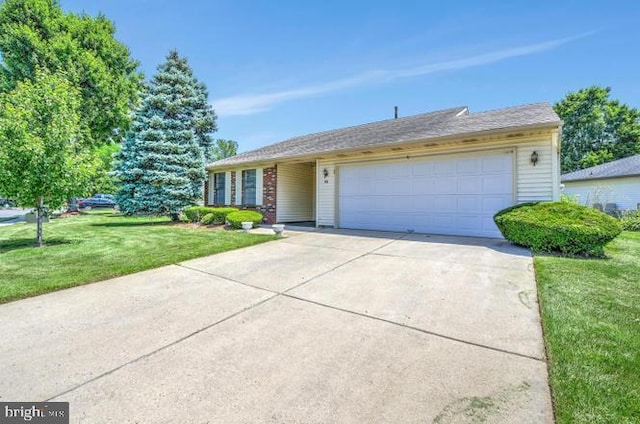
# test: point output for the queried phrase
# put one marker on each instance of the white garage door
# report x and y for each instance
(455, 195)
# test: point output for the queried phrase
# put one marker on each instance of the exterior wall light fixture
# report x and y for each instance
(534, 158)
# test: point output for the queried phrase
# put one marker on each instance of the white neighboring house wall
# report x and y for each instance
(531, 183)
(325, 193)
(295, 192)
(624, 192)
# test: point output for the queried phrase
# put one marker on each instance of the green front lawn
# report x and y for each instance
(591, 320)
(101, 245)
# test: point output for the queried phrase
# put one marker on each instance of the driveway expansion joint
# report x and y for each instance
(160, 349)
(421, 330)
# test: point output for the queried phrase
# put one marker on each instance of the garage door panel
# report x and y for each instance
(382, 187)
(423, 185)
(398, 205)
(424, 169)
(496, 164)
(401, 186)
(492, 204)
(496, 184)
(444, 168)
(401, 170)
(469, 203)
(469, 166)
(382, 172)
(440, 195)
(468, 222)
(446, 185)
(444, 204)
(469, 184)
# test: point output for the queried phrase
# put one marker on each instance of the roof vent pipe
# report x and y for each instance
(395, 112)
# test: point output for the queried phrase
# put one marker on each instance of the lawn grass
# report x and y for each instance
(591, 319)
(100, 245)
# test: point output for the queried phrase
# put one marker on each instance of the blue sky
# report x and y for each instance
(278, 69)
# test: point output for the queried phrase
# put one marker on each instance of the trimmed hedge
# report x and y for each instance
(630, 221)
(236, 219)
(563, 227)
(197, 213)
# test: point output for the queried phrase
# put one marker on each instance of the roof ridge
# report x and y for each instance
(390, 120)
(627, 166)
(503, 109)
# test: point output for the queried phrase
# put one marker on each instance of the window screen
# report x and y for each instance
(249, 187)
(219, 182)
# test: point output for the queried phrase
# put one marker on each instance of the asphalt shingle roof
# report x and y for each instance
(626, 167)
(433, 125)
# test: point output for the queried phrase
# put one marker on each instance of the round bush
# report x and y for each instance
(568, 228)
(235, 219)
(208, 219)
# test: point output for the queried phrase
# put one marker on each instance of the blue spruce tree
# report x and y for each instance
(161, 166)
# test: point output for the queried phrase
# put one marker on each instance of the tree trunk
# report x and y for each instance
(39, 217)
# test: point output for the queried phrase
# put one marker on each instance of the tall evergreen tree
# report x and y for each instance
(161, 165)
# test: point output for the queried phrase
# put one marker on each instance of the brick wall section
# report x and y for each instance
(268, 207)
(233, 187)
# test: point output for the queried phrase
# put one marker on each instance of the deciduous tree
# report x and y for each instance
(37, 34)
(596, 129)
(224, 149)
(43, 159)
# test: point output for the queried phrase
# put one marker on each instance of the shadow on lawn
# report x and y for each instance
(130, 224)
(22, 243)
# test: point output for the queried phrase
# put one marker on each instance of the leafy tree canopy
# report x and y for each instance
(596, 129)
(42, 162)
(37, 34)
(224, 149)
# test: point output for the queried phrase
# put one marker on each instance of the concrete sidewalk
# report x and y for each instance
(325, 326)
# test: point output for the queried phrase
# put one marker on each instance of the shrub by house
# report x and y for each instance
(563, 227)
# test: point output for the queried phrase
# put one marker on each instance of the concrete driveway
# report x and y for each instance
(321, 327)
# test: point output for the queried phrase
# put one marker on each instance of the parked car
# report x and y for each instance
(6, 203)
(96, 202)
(104, 196)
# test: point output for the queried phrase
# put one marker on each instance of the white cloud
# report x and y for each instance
(254, 103)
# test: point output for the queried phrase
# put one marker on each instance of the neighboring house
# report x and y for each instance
(444, 172)
(615, 182)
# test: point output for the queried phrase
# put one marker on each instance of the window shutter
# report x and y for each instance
(238, 188)
(259, 186)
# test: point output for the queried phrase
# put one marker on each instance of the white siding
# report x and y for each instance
(536, 183)
(624, 192)
(295, 192)
(326, 196)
